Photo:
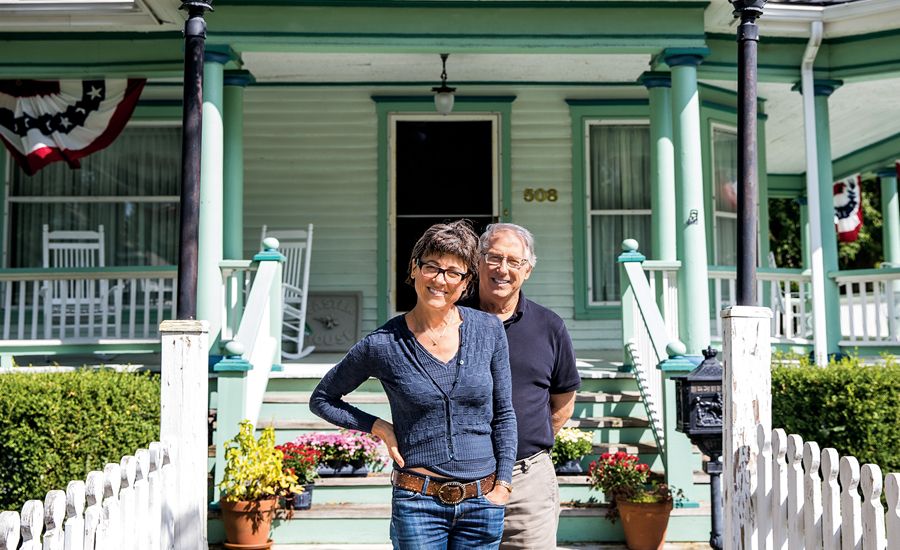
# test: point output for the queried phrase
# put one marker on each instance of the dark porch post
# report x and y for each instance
(748, 178)
(194, 45)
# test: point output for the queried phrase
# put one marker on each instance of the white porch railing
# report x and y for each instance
(84, 305)
(787, 291)
(810, 498)
(127, 506)
(646, 334)
(869, 302)
(663, 277)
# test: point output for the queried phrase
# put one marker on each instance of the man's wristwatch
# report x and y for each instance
(505, 484)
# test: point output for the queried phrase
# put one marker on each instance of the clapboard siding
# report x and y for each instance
(311, 157)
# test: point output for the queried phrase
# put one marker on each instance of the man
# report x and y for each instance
(544, 380)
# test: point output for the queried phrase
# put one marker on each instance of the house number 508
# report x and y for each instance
(540, 195)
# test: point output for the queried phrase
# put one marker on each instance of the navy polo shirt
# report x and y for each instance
(542, 361)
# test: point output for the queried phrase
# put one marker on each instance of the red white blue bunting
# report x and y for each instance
(848, 211)
(47, 121)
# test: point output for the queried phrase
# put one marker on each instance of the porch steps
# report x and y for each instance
(339, 523)
(357, 510)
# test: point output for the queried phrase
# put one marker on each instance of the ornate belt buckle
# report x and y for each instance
(452, 492)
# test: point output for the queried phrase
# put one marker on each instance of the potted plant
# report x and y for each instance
(643, 506)
(570, 446)
(301, 461)
(253, 479)
(347, 453)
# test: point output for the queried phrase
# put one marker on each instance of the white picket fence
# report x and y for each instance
(127, 506)
(810, 499)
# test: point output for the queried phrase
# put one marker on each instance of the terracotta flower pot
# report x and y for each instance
(248, 522)
(645, 523)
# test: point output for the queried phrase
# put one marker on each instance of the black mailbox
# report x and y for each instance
(699, 405)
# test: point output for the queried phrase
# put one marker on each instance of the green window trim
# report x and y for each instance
(716, 114)
(581, 112)
(386, 105)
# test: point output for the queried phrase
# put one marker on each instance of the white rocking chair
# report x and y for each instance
(296, 245)
(77, 304)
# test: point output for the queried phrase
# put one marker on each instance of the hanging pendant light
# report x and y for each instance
(443, 94)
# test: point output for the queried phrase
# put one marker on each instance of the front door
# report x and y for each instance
(443, 168)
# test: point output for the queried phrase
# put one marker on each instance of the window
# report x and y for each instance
(131, 188)
(724, 170)
(617, 199)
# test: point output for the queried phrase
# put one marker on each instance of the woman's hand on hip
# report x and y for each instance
(385, 431)
(499, 495)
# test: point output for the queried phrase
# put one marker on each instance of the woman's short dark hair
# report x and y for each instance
(453, 239)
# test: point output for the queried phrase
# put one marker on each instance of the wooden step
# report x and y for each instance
(299, 397)
(594, 422)
(603, 397)
(630, 448)
(383, 510)
(607, 422)
(373, 397)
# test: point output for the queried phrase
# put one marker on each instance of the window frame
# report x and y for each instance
(590, 213)
(714, 126)
(582, 111)
(9, 199)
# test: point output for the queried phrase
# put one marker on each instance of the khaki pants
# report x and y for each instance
(532, 514)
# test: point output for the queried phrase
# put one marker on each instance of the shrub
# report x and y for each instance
(852, 407)
(57, 427)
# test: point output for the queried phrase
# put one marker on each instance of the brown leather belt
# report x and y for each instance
(448, 492)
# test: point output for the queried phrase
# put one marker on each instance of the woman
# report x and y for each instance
(445, 370)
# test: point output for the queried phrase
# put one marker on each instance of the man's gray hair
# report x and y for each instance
(524, 234)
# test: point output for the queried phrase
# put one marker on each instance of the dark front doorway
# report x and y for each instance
(444, 169)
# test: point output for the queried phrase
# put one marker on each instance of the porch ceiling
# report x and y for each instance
(90, 15)
(860, 113)
(426, 68)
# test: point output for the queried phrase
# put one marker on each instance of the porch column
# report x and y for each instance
(662, 165)
(690, 219)
(822, 90)
(209, 278)
(804, 232)
(890, 213)
(233, 201)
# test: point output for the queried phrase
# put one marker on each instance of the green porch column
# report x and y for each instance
(890, 213)
(804, 232)
(233, 163)
(209, 278)
(662, 165)
(822, 90)
(690, 219)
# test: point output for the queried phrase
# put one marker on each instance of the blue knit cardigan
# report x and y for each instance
(474, 423)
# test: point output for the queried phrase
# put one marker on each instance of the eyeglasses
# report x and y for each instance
(495, 260)
(431, 271)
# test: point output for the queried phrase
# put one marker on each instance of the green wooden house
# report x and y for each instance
(587, 121)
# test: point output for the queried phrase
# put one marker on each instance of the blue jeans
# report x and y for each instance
(420, 522)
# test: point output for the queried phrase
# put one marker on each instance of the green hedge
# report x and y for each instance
(849, 406)
(57, 427)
